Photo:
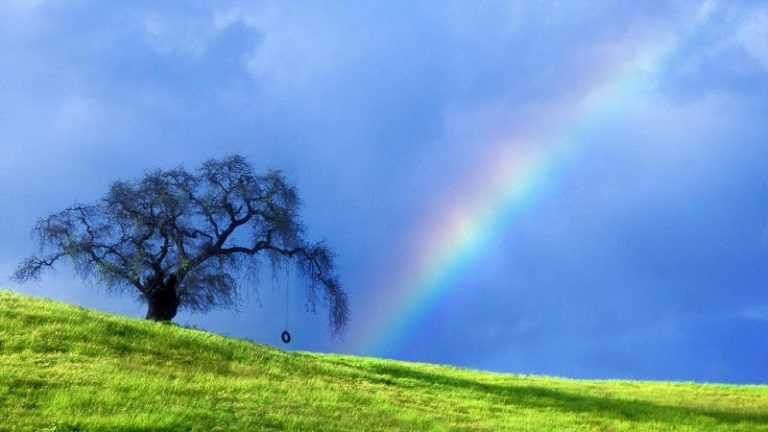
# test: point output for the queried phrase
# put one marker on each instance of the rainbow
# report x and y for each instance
(518, 173)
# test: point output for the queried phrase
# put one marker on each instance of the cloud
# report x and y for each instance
(724, 48)
(705, 11)
(167, 35)
(754, 313)
(20, 7)
(379, 111)
(752, 34)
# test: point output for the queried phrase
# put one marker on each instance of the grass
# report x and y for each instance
(66, 368)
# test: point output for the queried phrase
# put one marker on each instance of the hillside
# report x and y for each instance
(66, 368)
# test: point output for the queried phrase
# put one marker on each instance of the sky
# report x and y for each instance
(563, 188)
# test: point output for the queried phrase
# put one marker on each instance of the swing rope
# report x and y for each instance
(286, 335)
(287, 295)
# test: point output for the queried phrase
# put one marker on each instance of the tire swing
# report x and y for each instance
(285, 336)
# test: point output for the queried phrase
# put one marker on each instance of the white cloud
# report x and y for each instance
(728, 42)
(75, 111)
(166, 35)
(20, 6)
(752, 34)
(191, 31)
(705, 11)
(754, 313)
(302, 47)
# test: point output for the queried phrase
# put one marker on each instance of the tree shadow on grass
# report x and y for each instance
(532, 396)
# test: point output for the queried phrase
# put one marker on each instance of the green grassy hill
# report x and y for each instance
(66, 368)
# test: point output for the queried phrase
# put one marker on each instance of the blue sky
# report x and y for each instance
(645, 257)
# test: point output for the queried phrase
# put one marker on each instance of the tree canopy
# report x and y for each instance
(184, 239)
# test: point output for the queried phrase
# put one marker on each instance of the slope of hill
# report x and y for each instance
(66, 368)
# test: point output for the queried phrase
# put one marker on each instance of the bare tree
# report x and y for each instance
(180, 239)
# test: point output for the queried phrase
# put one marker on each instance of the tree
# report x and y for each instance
(185, 240)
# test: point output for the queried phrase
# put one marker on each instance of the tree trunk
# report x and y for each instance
(162, 301)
